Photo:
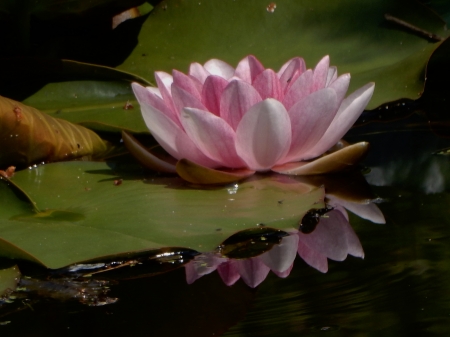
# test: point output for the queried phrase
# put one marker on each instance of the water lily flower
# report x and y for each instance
(249, 118)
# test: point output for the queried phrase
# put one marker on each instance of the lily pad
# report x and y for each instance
(354, 33)
(98, 105)
(83, 212)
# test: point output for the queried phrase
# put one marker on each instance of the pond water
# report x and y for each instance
(400, 288)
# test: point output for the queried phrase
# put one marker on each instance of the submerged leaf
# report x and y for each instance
(28, 136)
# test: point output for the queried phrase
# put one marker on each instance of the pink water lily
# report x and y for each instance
(251, 117)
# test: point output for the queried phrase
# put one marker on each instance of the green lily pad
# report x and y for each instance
(354, 33)
(98, 105)
(88, 210)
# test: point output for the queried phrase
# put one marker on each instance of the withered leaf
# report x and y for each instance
(28, 136)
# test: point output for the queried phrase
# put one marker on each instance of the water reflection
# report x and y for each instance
(328, 234)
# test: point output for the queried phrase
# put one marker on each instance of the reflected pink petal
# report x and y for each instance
(253, 271)
(328, 238)
(228, 272)
(281, 256)
(313, 257)
(285, 273)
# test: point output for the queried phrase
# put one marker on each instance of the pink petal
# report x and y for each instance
(212, 92)
(310, 118)
(228, 272)
(263, 136)
(268, 85)
(248, 69)
(354, 246)
(332, 75)
(164, 82)
(281, 256)
(299, 89)
(198, 71)
(313, 258)
(183, 99)
(285, 273)
(349, 111)
(290, 71)
(368, 210)
(252, 271)
(236, 100)
(340, 85)
(187, 83)
(219, 68)
(212, 135)
(328, 238)
(148, 97)
(321, 73)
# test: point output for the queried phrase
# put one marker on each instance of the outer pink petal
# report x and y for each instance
(349, 111)
(263, 136)
(340, 85)
(310, 118)
(198, 71)
(321, 73)
(252, 271)
(228, 272)
(268, 85)
(313, 258)
(290, 71)
(182, 99)
(281, 256)
(212, 135)
(147, 96)
(332, 75)
(164, 82)
(248, 69)
(219, 68)
(299, 89)
(236, 100)
(187, 83)
(212, 92)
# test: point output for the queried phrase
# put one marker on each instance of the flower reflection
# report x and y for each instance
(333, 238)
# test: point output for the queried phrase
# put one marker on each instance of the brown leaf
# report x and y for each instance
(28, 136)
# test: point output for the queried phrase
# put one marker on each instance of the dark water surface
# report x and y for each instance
(401, 288)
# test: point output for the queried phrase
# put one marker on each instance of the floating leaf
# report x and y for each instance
(28, 136)
(354, 33)
(82, 214)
